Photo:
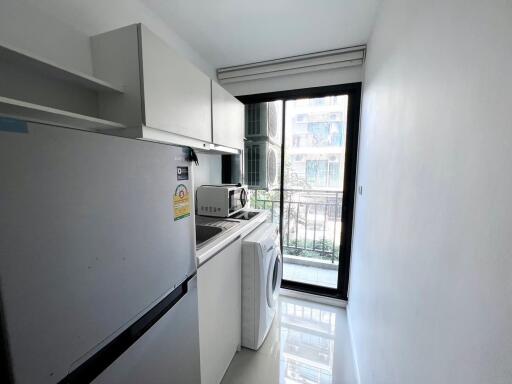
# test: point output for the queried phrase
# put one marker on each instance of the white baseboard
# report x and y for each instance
(354, 352)
(314, 298)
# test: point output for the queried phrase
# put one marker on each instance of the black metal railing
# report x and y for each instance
(311, 221)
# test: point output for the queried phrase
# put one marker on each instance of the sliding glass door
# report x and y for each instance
(313, 202)
(314, 166)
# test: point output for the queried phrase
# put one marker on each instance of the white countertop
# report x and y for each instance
(241, 229)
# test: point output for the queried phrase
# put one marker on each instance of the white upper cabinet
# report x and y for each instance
(227, 118)
(165, 97)
(176, 94)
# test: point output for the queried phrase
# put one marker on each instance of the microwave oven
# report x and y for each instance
(220, 200)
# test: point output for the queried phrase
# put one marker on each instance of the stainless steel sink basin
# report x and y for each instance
(205, 233)
(209, 228)
(246, 215)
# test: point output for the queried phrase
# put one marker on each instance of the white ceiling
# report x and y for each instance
(231, 32)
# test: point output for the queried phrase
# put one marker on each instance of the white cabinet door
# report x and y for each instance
(219, 295)
(176, 94)
(228, 118)
(167, 353)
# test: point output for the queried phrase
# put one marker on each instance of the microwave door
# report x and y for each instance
(232, 202)
(237, 200)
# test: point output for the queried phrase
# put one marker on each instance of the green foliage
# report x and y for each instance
(322, 250)
(306, 250)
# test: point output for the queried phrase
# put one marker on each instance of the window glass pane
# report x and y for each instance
(314, 160)
(314, 152)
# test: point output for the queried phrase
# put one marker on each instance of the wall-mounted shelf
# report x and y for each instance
(48, 68)
(41, 114)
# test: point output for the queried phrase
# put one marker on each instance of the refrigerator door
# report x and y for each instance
(95, 229)
(167, 353)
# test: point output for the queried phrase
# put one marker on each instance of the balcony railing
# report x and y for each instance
(311, 221)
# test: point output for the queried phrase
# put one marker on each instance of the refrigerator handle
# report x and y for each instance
(97, 363)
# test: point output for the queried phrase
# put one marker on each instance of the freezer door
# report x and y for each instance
(167, 353)
(95, 229)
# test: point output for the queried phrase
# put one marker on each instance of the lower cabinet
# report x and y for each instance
(219, 296)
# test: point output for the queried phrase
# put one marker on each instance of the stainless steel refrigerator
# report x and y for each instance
(97, 264)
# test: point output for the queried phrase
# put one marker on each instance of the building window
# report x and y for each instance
(334, 174)
(302, 117)
(335, 137)
(319, 133)
(316, 173)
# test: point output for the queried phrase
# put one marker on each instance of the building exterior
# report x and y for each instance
(315, 143)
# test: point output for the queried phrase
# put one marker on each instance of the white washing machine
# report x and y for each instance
(261, 279)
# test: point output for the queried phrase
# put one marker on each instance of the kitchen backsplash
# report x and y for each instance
(209, 170)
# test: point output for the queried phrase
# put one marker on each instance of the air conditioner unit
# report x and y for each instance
(264, 121)
(262, 165)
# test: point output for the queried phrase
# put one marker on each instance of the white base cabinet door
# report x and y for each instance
(219, 295)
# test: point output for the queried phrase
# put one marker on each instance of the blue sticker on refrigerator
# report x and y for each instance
(11, 125)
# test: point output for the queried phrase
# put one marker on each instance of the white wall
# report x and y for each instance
(59, 29)
(305, 80)
(209, 170)
(25, 26)
(430, 296)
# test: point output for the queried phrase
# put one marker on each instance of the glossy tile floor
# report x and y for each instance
(308, 343)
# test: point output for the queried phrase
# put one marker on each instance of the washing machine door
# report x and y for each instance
(275, 272)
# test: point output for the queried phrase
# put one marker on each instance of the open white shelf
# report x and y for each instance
(56, 71)
(41, 114)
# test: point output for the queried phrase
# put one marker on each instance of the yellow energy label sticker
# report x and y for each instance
(181, 200)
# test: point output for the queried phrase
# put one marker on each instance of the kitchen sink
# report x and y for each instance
(245, 215)
(208, 228)
(205, 233)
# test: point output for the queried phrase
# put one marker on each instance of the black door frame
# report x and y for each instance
(353, 91)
